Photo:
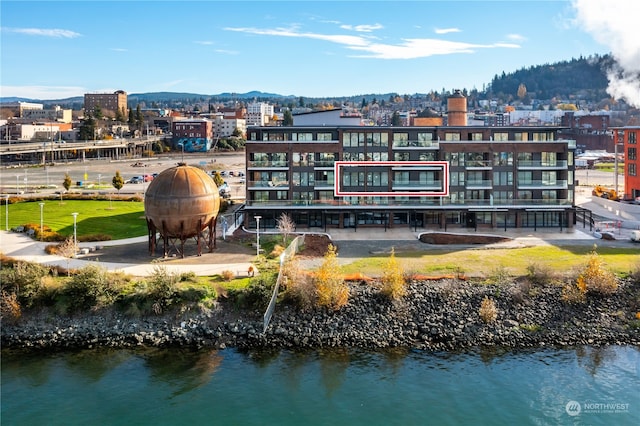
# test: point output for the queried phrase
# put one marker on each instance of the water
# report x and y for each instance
(338, 387)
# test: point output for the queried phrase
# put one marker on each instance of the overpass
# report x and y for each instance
(49, 152)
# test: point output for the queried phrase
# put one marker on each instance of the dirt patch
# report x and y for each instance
(445, 238)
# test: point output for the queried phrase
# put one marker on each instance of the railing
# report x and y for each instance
(533, 184)
(483, 164)
(416, 184)
(267, 163)
(411, 202)
(267, 184)
(323, 184)
(416, 144)
(537, 164)
(478, 183)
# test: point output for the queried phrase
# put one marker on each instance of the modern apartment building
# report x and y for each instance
(627, 137)
(259, 114)
(423, 176)
(109, 103)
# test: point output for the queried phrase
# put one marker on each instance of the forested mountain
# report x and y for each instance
(583, 78)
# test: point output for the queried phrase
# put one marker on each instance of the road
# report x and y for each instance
(96, 174)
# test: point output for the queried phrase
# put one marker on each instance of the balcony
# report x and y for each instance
(280, 185)
(478, 184)
(432, 203)
(542, 165)
(478, 165)
(323, 184)
(416, 144)
(264, 164)
(540, 184)
(413, 185)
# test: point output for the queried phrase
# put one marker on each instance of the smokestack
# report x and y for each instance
(457, 109)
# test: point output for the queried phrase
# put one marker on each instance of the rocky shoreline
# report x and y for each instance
(440, 315)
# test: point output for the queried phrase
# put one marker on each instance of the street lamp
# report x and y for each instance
(258, 234)
(75, 232)
(41, 220)
(17, 185)
(6, 212)
(181, 145)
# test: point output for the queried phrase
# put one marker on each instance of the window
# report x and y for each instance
(525, 178)
(502, 178)
(281, 195)
(452, 136)
(261, 196)
(476, 136)
(503, 159)
(400, 139)
(401, 156)
(501, 197)
(548, 158)
(401, 178)
(542, 136)
(457, 178)
(302, 178)
(353, 179)
(525, 195)
(352, 139)
(631, 154)
(548, 178)
(324, 137)
(520, 136)
(455, 158)
(633, 137)
(427, 156)
(302, 137)
(377, 178)
(632, 169)
(501, 136)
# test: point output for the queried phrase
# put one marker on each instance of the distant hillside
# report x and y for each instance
(583, 78)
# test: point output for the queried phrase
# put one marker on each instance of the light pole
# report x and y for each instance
(6, 212)
(181, 145)
(258, 234)
(99, 179)
(17, 185)
(75, 232)
(41, 220)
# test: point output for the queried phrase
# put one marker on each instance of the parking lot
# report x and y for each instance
(97, 174)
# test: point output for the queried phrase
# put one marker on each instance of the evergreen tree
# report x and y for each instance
(287, 118)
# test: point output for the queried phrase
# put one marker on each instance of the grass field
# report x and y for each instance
(120, 219)
(514, 261)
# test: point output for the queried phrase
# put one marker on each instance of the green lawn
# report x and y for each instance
(485, 262)
(120, 219)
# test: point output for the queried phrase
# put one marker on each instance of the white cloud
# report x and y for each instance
(407, 49)
(447, 30)
(422, 48)
(516, 37)
(614, 24)
(204, 42)
(42, 92)
(43, 32)
(362, 28)
(119, 49)
(227, 52)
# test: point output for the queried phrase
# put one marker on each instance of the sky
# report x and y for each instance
(55, 50)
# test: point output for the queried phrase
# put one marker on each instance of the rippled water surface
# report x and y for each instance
(343, 387)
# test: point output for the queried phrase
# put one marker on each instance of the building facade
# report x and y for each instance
(423, 177)
(259, 114)
(109, 103)
(193, 135)
(628, 137)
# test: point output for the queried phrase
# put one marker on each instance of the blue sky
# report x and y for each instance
(52, 49)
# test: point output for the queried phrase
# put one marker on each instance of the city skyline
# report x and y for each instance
(55, 50)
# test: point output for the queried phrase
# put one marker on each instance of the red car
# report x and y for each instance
(148, 178)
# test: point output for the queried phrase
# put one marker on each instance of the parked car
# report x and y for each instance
(148, 178)
(135, 179)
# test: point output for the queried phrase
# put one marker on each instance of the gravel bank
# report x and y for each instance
(433, 316)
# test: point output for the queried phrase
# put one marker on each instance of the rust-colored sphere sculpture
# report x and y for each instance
(180, 203)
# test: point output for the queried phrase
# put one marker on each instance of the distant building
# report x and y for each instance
(259, 114)
(331, 117)
(109, 103)
(628, 137)
(54, 114)
(193, 135)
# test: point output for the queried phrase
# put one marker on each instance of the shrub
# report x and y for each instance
(299, 287)
(91, 286)
(571, 293)
(488, 311)
(394, 285)
(24, 279)
(10, 309)
(540, 275)
(499, 275)
(331, 289)
(228, 275)
(595, 278)
(162, 287)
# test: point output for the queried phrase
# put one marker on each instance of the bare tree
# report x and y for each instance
(68, 250)
(286, 226)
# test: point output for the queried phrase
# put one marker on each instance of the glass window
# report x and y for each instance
(503, 159)
(525, 177)
(549, 158)
(632, 154)
(450, 136)
(501, 136)
(324, 137)
(476, 136)
(401, 156)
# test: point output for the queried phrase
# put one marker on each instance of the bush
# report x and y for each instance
(90, 286)
(331, 289)
(10, 310)
(394, 285)
(488, 311)
(162, 287)
(595, 278)
(24, 279)
(300, 287)
(228, 275)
